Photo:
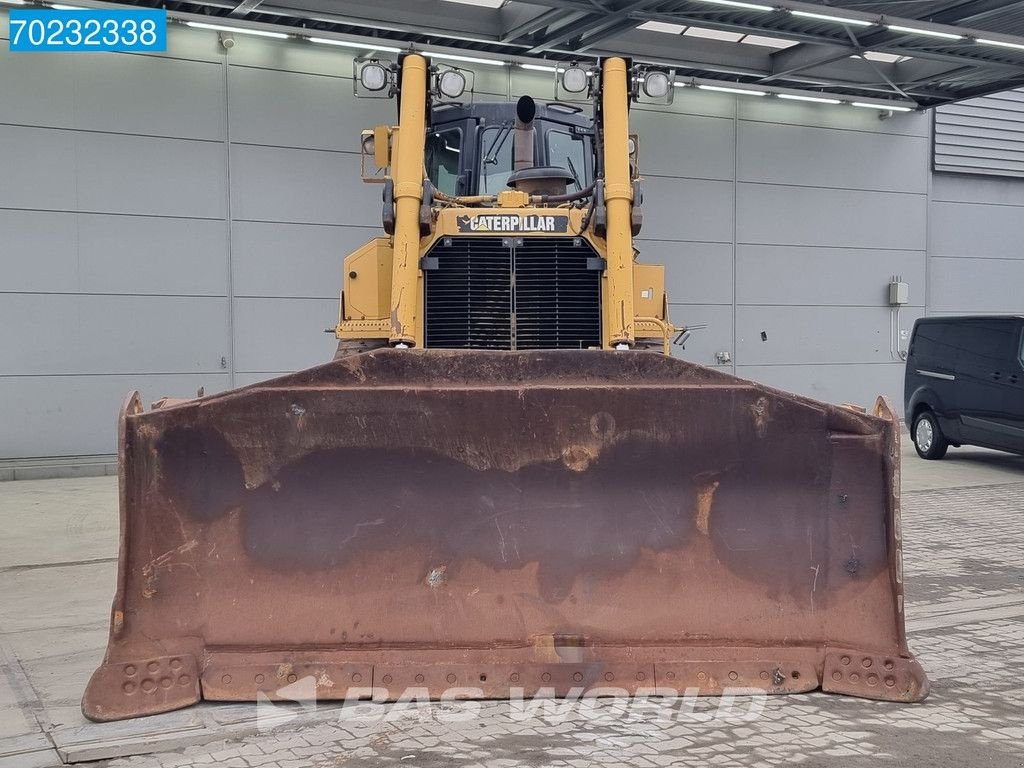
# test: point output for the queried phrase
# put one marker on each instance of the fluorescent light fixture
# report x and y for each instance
(885, 58)
(724, 89)
(349, 44)
(481, 3)
(836, 19)
(737, 4)
(662, 26)
(713, 34)
(1001, 44)
(542, 68)
(57, 7)
(467, 59)
(883, 107)
(925, 32)
(239, 30)
(768, 42)
(12, 2)
(815, 99)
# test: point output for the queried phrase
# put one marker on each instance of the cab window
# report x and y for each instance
(570, 152)
(443, 153)
(496, 163)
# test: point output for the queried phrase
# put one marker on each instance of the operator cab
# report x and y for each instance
(470, 147)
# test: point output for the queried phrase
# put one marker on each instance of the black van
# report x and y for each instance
(964, 384)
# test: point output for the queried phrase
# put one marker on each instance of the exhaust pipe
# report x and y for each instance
(525, 137)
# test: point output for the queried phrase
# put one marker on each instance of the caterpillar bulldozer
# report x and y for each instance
(503, 484)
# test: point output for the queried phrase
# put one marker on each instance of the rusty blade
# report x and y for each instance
(500, 522)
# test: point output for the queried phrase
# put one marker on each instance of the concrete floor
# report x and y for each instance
(964, 528)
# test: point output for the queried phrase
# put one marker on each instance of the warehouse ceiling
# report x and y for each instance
(918, 53)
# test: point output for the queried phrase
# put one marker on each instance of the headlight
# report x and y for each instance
(451, 83)
(631, 145)
(574, 79)
(373, 76)
(656, 84)
(368, 145)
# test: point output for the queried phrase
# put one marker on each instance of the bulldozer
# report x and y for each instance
(505, 483)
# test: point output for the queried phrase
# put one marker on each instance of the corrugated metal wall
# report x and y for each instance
(169, 222)
(982, 136)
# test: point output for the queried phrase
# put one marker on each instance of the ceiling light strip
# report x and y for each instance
(815, 99)
(835, 19)
(237, 30)
(883, 107)
(924, 32)
(1001, 44)
(367, 46)
(467, 59)
(726, 89)
(738, 4)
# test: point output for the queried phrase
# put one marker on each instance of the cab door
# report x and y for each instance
(989, 376)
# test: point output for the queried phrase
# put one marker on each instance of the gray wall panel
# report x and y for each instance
(952, 187)
(684, 145)
(245, 379)
(273, 55)
(845, 118)
(86, 334)
(815, 335)
(35, 90)
(77, 415)
(154, 96)
(98, 253)
(769, 215)
(283, 334)
(300, 186)
(138, 174)
(688, 209)
(977, 285)
(802, 156)
(695, 273)
(39, 251)
(705, 342)
(186, 257)
(691, 101)
(292, 260)
(38, 168)
(857, 384)
(290, 109)
(788, 274)
(966, 229)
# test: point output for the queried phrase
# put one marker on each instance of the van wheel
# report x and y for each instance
(928, 438)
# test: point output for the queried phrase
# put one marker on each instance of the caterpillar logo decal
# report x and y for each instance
(503, 222)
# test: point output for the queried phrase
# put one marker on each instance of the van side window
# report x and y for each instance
(931, 342)
(988, 342)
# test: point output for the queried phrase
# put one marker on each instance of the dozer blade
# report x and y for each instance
(499, 523)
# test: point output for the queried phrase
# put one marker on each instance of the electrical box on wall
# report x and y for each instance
(899, 293)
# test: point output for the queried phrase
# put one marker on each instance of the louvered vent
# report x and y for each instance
(468, 303)
(512, 293)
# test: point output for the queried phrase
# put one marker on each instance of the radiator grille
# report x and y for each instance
(512, 293)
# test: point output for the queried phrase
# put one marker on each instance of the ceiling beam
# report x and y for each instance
(433, 17)
(245, 7)
(594, 24)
